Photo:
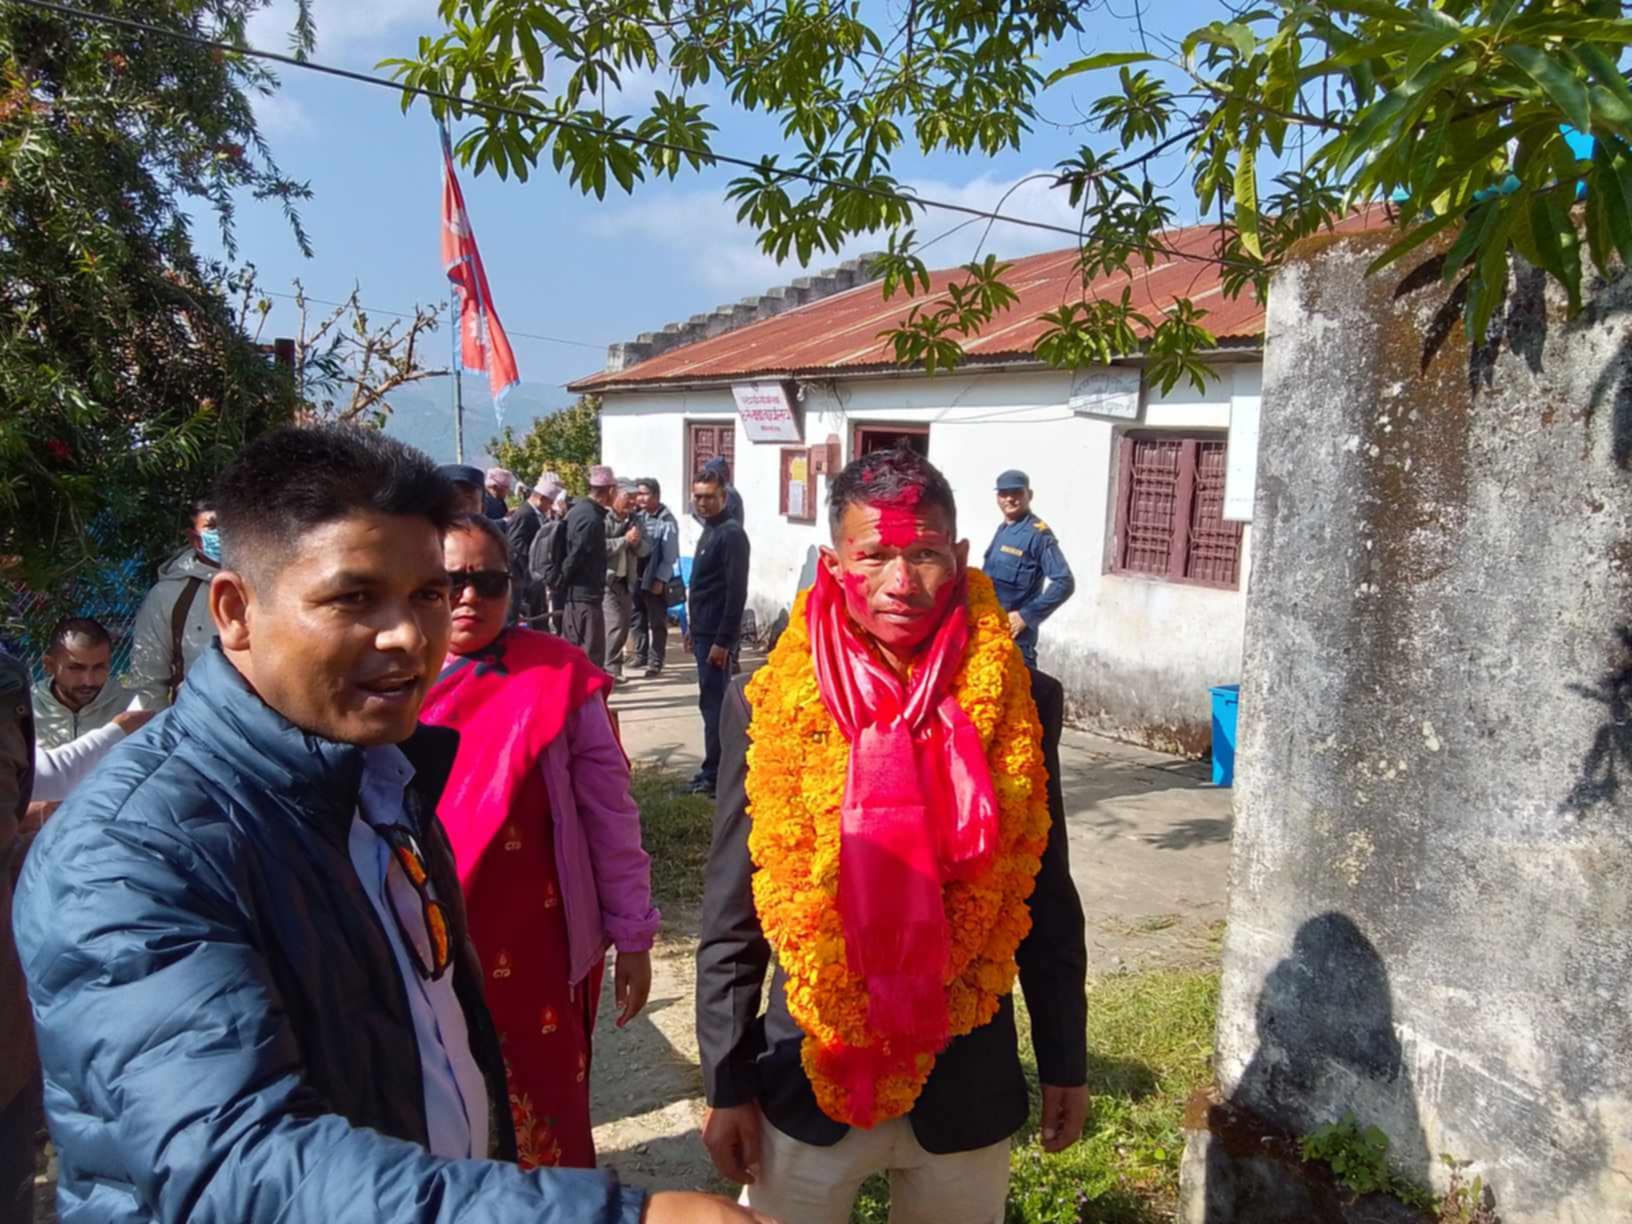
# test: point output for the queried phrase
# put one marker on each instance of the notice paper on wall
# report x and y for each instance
(798, 474)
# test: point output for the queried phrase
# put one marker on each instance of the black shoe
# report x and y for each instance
(636, 664)
(653, 673)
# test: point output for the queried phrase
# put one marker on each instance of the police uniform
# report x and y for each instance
(1028, 568)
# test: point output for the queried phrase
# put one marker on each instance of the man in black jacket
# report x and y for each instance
(584, 567)
(719, 591)
(531, 599)
(892, 575)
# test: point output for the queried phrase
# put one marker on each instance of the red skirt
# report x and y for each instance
(545, 1025)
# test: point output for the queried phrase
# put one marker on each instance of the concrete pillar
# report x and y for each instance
(1431, 893)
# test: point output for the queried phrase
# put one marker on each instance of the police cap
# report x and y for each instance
(1013, 479)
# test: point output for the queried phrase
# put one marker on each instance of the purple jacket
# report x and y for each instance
(606, 891)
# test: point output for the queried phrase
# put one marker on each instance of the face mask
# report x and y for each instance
(209, 543)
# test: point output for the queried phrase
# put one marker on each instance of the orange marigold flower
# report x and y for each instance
(797, 765)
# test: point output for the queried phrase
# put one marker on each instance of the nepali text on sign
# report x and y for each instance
(767, 412)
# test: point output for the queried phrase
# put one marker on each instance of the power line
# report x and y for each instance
(68, 10)
(398, 314)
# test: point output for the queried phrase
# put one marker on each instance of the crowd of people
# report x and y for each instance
(328, 935)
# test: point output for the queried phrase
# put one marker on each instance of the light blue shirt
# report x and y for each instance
(455, 1092)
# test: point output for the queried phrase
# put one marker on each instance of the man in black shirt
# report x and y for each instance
(719, 590)
(584, 568)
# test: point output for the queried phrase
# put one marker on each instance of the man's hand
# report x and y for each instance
(1017, 624)
(1065, 1110)
(732, 1139)
(659, 586)
(631, 984)
(132, 721)
(632, 536)
(719, 656)
(688, 1207)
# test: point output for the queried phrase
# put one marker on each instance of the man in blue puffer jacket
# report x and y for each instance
(244, 944)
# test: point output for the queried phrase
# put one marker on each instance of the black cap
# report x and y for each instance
(463, 473)
(1013, 479)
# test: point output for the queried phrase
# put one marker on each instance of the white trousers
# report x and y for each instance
(800, 1183)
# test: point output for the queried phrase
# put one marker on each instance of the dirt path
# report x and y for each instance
(647, 1086)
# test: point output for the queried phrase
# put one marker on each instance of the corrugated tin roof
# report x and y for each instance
(841, 333)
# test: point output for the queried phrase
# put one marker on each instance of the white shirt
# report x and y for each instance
(455, 1092)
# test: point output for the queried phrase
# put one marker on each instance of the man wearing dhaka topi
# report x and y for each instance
(890, 830)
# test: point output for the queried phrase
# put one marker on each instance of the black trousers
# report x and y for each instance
(711, 685)
(651, 629)
(584, 625)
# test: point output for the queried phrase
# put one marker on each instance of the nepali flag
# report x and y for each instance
(483, 344)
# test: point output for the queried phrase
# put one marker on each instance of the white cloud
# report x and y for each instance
(279, 114)
(345, 27)
(723, 256)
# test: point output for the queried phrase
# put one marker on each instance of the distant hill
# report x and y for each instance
(422, 415)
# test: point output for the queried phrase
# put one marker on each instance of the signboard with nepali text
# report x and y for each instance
(767, 412)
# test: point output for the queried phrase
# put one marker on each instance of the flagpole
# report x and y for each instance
(458, 384)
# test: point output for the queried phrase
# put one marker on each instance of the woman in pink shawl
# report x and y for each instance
(547, 840)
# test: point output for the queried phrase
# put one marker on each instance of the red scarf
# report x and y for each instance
(918, 810)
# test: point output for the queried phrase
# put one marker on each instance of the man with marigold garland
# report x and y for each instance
(890, 831)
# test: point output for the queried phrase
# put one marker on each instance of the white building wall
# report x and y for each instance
(1136, 655)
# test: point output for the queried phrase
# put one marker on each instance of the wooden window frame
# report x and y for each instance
(861, 427)
(690, 451)
(1178, 550)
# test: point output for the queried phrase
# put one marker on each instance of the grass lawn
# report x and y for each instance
(675, 829)
(1150, 1038)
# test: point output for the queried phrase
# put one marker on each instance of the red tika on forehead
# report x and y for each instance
(897, 525)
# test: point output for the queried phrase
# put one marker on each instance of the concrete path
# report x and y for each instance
(1150, 836)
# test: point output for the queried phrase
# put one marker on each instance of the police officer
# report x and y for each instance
(1025, 564)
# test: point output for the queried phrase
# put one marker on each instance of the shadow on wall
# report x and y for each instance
(1326, 1042)
(1611, 750)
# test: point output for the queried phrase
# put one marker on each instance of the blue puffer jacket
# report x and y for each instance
(224, 1030)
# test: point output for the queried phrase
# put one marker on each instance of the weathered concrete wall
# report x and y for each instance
(1431, 893)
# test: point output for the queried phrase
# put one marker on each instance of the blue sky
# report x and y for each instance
(561, 264)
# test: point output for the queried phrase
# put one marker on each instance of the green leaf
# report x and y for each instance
(1246, 199)
(1109, 59)
(530, 51)
(1490, 281)
(1598, 62)
(1414, 238)
(1561, 85)
(1426, 47)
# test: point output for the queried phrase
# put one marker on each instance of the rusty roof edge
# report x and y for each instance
(602, 383)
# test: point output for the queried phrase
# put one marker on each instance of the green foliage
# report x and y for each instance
(1358, 1156)
(126, 378)
(567, 442)
(1149, 1047)
(1464, 1201)
(1453, 106)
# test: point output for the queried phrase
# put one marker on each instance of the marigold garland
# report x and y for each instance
(797, 765)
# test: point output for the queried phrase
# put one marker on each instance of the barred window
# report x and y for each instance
(1170, 507)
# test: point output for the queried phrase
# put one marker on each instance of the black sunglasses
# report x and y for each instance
(489, 584)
